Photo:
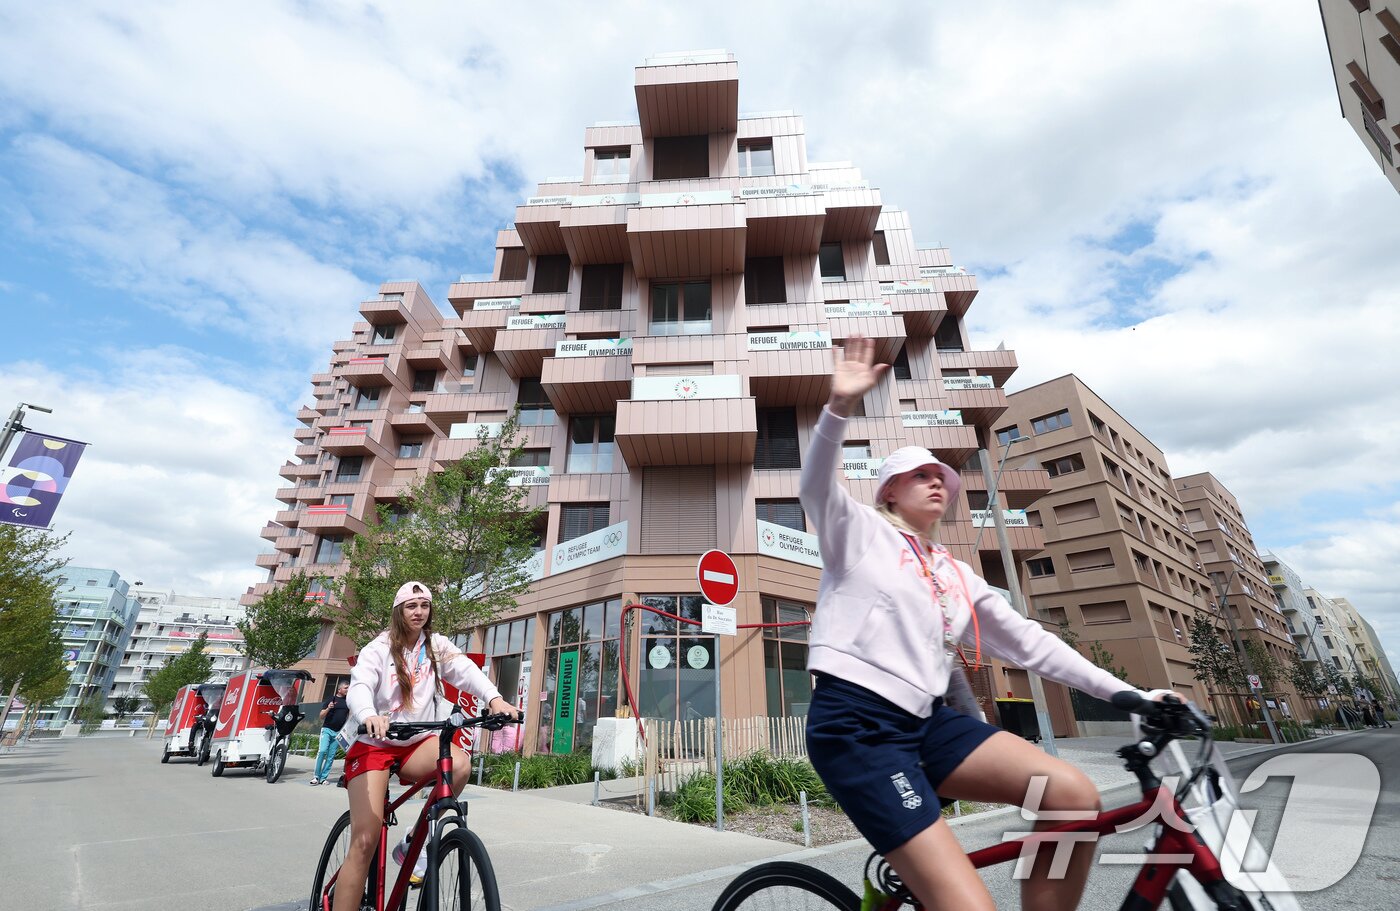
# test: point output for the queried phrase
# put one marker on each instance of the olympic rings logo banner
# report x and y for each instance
(36, 478)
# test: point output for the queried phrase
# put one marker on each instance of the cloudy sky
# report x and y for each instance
(1162, 198)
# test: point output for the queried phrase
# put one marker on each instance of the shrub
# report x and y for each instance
(694, 800)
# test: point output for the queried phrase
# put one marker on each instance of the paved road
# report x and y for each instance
(102, 824)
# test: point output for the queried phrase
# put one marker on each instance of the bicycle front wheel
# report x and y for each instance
(464, 878)
(332, 856)
(781, 884)
(276, 762)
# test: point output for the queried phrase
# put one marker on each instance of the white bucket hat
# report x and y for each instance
(908, 458)
(410, 590)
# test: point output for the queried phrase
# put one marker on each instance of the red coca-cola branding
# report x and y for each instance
(274, 701)
(228, 712)
(243, 710)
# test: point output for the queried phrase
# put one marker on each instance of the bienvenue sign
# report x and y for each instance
(949, 418)
(603, 544)
(788, 544)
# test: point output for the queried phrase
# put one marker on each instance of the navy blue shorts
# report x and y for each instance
(882, 764)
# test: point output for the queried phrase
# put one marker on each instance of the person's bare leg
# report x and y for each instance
(1000, 771)
(936, 869)
(366, 821)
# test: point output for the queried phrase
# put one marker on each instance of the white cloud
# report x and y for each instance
(307, 148)
(176, 481)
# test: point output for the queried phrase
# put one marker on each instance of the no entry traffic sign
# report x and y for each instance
(718, 577)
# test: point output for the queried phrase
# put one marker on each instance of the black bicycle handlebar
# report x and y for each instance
(1170, 713)
(402, 730)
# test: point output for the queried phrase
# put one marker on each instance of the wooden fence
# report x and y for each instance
(677, 749)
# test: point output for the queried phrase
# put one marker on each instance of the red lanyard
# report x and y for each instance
(941, 596)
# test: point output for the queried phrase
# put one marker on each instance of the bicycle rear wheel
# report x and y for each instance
(464, 878)
(276, 762)
(337, 848)
(781, 885)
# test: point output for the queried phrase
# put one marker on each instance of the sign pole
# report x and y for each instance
(719, 747)
(719, 583)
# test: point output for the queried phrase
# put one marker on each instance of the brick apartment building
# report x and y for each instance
(664, 323)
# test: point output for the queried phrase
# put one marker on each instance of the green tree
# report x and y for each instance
(1266, 667)
(191, 666)
(29, 567)
(1098, 653)
(464, 532)
(1212, 661)
(1306, 678)
(92, 710)
(37, 689)
(125, 705)
(281, 628)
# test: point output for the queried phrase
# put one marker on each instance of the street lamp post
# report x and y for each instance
(1222, 594)
(14, 424)
(1013, 583)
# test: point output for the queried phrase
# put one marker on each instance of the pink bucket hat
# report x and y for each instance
(410, 590)
(908, 458)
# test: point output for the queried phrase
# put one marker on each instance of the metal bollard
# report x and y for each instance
(597, 777)
(806, 821)
(516, 785)
(651, 798)
(957, 808)
(480, 769)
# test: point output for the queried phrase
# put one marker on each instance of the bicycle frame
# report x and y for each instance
(439, 800)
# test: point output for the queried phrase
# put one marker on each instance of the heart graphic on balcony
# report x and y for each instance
(687, 389)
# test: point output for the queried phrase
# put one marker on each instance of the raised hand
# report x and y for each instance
(855, 373)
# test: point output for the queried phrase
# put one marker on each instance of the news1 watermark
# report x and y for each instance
(1331, 800)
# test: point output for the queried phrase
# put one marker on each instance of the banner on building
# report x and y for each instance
(789, 341)
(788, 544)
(35, 479)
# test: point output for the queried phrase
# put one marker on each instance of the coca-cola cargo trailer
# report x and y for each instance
(185, 713)
(258, 714)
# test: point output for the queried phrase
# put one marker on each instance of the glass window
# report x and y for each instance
(1065, 465)
(948, 335)
(424, 380)
(367, 399)
(329, 549)
(612, 165)
(756, 158)
(676, 680)
(787, 512)
(602, 287)
(764, 282)
(384, 335)
(551, 274)
(581, 639)
(515, 263)
(832, 262)
(881, 249)
(788, 684)
(591, 444)
(1049, 422)
(527, 458)
(777, 445)
(680, 157)
(536, 410)
(681, 308)
(349, 468)
(411, 449)
(1045, 566)
(901, 365)
(1007, 434)
(579, 519)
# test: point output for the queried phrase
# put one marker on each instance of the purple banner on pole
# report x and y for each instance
(36, 478)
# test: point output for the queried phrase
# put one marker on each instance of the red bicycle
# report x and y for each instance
(459, 873)
(1180, 866)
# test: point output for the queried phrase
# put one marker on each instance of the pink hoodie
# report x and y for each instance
(374, 687)
(877, 624)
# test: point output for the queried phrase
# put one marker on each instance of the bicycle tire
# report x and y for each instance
(276, 762)
(784, 884)
(200, 748)
(470, 880)
(332, 852)
(165, 757)
(218, 770)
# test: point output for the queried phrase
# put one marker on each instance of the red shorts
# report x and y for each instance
(368, 757)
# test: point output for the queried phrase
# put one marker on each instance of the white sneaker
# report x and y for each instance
(420, 866)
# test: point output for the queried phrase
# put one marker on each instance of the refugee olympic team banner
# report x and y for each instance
(37, 475)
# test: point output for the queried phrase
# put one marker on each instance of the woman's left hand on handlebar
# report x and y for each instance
(499, 706)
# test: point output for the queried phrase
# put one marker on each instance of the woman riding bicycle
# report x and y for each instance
(892, 606)
(396, 678)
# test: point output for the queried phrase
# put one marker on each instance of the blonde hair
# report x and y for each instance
(887, 512)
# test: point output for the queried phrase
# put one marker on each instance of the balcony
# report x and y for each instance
(980, 407)
(595, 233)
(789, 376)
(876, 322)
(445, 409)
(583, 385)
(311, 493)
(368, 372)
(688, 94)
(306, 451)
(921, 307)
(522, 351)
(267, 561)
(343, 441)
(686, 234)
(288, 518)
(686, 421)
(430, 355)
(271, 531)
(287, 494)
(1019, 488)
(463, 295)
(411, 422)
(601, 323)
(291, 542)
(538, 225)
(999, 365)
(324, 518)
(294, 471)
(480, 326)
(302, 434)
(957, 286)
(385, 312)
(952, 444)
(851, 214)
(783, 225)
(306, 415)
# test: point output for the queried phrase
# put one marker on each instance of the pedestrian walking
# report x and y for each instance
(334, 711)
(1379, 708)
